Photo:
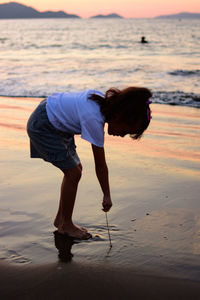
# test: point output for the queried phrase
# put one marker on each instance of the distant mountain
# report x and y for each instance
(183, 15)
(106, 16)
(14, 10)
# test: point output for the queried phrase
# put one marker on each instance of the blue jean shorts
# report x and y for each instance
(48, 143)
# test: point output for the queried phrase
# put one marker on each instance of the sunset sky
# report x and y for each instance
(126, 8)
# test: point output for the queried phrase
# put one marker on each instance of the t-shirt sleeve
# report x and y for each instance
(93, 131)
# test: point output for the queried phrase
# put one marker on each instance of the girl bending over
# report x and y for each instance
(56, 120)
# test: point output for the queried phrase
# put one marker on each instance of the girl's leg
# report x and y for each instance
(63, 219)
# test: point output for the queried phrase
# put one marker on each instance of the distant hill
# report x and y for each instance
(14, 10)
(106, 16)
(183, 15)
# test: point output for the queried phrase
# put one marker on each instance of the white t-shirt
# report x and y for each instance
(74, 113)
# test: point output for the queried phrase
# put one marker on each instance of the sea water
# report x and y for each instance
(39, 57)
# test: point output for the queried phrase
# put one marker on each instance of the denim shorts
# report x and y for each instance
(48, 143)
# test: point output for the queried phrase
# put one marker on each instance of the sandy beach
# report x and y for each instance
(90, 281)
(154, 222)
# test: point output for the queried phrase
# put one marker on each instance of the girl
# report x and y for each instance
(56, 120)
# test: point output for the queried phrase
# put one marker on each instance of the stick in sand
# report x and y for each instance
(108, 230)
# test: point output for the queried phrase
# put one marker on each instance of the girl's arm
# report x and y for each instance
(102, 175)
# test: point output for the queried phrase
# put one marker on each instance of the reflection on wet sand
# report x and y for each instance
(64, 245)
(155, 190)
(170, 228)
(13, 126)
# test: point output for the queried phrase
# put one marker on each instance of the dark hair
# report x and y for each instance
(129, 105)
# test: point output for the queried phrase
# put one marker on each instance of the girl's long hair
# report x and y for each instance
(129, 105)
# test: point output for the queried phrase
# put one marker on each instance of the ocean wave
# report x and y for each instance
(118, 46)
(35, 46)
(185, 73)
(2, 40)
(177, 98)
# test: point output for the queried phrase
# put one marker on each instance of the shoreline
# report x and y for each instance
(164, 98)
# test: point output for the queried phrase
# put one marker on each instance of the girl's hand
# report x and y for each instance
(107, 203)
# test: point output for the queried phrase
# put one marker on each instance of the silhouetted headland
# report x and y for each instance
(107, 16)
(182, 15)
(14, 10)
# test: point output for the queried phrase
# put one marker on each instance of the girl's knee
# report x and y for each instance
(80, 167)
(74, 174)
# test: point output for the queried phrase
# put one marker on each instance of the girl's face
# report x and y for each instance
(118, 128)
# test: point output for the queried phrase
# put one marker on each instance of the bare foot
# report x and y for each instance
(74, 231)
(57, 222)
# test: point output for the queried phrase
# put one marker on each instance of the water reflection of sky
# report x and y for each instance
(173, 134)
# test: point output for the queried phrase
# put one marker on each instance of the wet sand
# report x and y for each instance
(90, 281)
(154, 223)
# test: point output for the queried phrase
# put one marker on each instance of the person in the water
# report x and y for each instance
(143, 40)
